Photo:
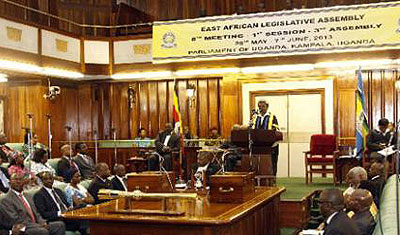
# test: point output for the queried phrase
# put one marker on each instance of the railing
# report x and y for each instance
(111, 28)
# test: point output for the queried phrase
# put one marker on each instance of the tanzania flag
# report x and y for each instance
(177, 117)
(362, 127)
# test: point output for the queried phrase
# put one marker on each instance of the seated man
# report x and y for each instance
(100, 181)
(378, 139)
(204, 164)
(84, 162)
(20, 209)
(142, 140)
(4, 178)
(359, 202)
(119, 180)
(167, 141)
(214, 135)
(377, 178)
(357, 178)
(51, 202)
(66, 166)
(336, 220)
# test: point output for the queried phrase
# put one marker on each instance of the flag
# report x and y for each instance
(362, 128)
(178, 124)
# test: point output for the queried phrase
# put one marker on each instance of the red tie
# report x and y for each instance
(27, 207)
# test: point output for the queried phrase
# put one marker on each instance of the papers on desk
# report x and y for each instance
(312, 232)
(388, 151)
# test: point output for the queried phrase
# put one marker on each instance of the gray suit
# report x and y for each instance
(86, 166)
(15, 211)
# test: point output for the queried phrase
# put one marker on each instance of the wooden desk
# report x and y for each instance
(259, 215)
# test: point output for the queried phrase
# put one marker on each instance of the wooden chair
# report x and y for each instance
(321, 146)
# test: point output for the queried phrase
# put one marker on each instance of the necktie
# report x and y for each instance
(27, 208)
(63, 207)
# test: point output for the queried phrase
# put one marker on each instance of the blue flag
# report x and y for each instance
(362, 128)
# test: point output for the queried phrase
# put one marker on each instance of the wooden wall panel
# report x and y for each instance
(203, 108)
(85, 112)
(144, 105)
(376, 98)
(213, 97)
(389, 99)
(162, 104)
(153, 109)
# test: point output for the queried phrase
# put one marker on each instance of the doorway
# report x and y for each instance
(300, 114)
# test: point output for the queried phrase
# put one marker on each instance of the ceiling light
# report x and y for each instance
(23, 67)
(353, 63)
(156, 74)
(278, 68)
(206, 71)
(61, 73)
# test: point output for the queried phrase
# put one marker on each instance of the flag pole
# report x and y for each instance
(178, 119)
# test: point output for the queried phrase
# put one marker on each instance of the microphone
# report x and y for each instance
(254, 111)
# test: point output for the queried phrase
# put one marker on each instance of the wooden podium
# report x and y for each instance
(263, 140)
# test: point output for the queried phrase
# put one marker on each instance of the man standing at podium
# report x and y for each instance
(267, 121)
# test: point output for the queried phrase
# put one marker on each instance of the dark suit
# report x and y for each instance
(379, 183)
(48, 209)
(46, 206)
(264, 124)
(340, 224)
(85, 167)
(117, 184)
(5, 226)
(3, 188)
(212, 169)
(173, 144)
(96, 185)
(64, 169)
(376, 138)
(364, 221)
(16, 213)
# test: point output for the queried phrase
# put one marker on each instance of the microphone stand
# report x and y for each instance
(69, 129)
(397, 178)
(253, 112)
(114, 134)
(49, 133)
(95, 145)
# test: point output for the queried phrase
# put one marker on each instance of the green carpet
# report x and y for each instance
(297, 189)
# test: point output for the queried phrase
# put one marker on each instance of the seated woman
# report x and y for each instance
(39, 164)
(76, 194)
(17, 166)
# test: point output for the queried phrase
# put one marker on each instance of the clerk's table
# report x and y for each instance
(258, 215)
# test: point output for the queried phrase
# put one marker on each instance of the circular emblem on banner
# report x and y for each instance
(169, 40)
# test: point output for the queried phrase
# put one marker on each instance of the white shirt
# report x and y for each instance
(203, 168)
(122, 182)
(331, 217)
(167, 140)
(49, 190)
(4, 179)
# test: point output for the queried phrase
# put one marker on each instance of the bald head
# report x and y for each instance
(331, 201)
(66, 150)
(119, 170)
(102, 170)
(356, 175)
(377, 168)
(359, 200)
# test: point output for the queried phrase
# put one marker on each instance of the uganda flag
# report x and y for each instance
(362, 128)
(177, 118)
